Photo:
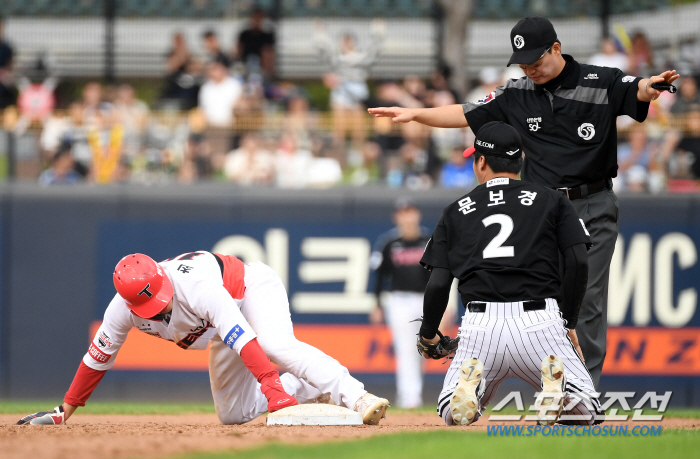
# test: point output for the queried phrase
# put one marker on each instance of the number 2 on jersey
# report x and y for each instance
(495, 248)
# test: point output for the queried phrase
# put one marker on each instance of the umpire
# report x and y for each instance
(565, 113)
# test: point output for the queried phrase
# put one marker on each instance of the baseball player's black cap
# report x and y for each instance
(497, 139)
(404, 202)
(530, 38)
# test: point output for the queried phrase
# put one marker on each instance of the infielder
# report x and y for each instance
(396, 261)
(502, 242)
(199, 298)
(565, 113)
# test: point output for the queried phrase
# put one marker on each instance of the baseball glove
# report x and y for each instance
(443, 348)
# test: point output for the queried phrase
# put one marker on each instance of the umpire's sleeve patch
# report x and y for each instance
(233, 335)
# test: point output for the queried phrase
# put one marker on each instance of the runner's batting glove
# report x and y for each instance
(441, 349)
(45, 418)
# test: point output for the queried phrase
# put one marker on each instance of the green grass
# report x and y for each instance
(469, 444)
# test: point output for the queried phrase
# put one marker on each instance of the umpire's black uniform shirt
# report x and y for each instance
(569, 132)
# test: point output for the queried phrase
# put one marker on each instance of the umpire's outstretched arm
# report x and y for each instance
(437, 294)
(575, 283)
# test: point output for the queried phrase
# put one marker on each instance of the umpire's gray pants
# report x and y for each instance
(600, 212)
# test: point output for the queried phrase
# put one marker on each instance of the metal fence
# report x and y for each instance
(485, 9)
(78, 38)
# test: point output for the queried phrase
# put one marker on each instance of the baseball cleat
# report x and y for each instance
(372, 408)
(464, 403)
(550, 401)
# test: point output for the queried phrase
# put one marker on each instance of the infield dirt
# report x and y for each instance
(153, 436)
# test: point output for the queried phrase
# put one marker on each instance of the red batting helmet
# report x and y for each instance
(142, 283)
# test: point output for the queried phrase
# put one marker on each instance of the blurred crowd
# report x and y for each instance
(226, 116)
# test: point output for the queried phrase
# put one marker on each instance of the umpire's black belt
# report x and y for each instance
(532, 305)
(584, 190)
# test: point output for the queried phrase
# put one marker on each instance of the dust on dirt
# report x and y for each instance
(155, 436)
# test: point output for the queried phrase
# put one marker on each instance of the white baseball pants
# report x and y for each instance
(401, 309)
(310, 372)
(512, 343)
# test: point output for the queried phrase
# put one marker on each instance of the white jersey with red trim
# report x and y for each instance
(202, 310)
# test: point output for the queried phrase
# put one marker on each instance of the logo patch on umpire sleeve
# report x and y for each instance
(233, 335)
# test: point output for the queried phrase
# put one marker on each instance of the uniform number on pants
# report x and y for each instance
(496, 249)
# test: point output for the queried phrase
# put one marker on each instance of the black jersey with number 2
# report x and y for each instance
(502, 241)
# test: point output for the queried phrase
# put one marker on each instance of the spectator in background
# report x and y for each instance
(183, 76)
(132, 113)
(61, 171)
(323, 172)
(688, 88)
(439, 80)
(76, 133)
(368, 171)
(213, 48)
(104, 134)
(292, 162)
(197, 164)
(219, 95)
(96, 110)
(415, 88)
(348, 79)
(633, 158)
(256, 46)
(250, 164)
(410, 167)
(681, 149)
(641, 58)
(609, 56)
(444, 139)
(298, 117)
(490, 78)
(458, 171)
(8, 93)
(388, 136)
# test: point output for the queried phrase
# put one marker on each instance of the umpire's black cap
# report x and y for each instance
(497, 138)
(531, 38)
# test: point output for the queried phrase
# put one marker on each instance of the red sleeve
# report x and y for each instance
(84, 382)
(257, 362)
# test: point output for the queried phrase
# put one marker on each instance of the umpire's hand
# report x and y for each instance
(574, 341)
(397, 114)
(645, 93)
